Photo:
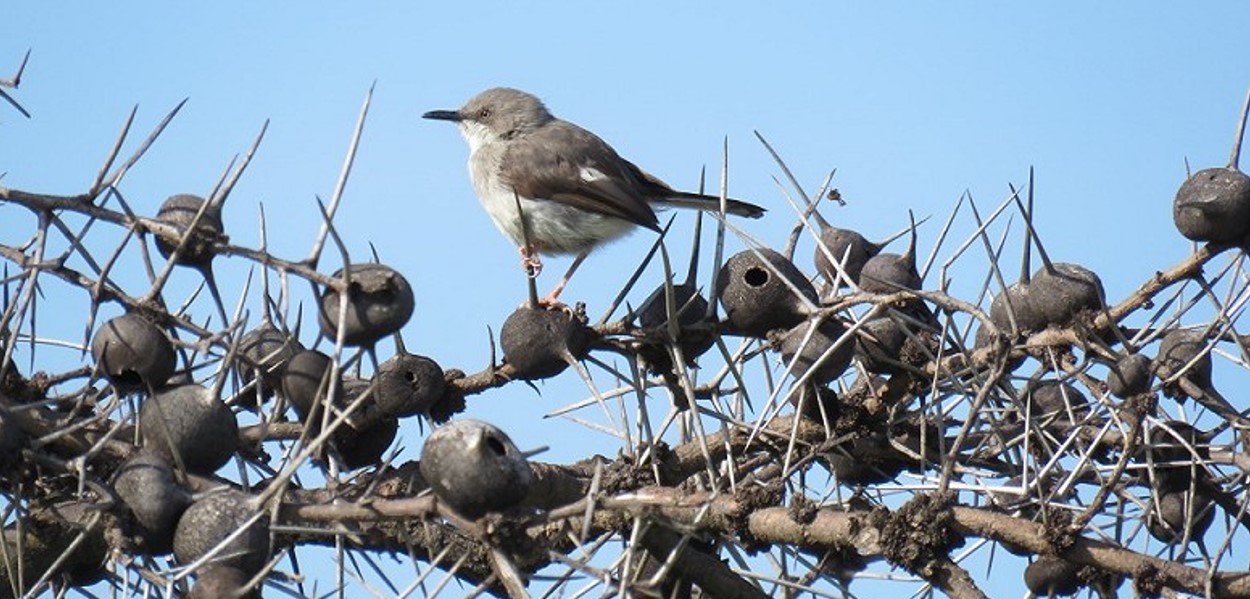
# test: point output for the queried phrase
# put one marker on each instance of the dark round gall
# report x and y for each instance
(70, 529)
(818, 403)
(366, 433)
(887, 342)
(1175, 450)
(541, 343)
(1035, 496)
(1012, 311)
(12, 382)
(146, 484)
(12, 440)
(868, 459)
(691, 310)
(888, 273)
(474, 468)
(1177, 349)
(364, 446)
(354, 394)
(306, 381)
(265, 350)
(1180, 512)
(756, 299)
(1064, 290)
(1169, 440)
(1213, 205)
(1130, 375)
(688, 304)
(880, 343)
(811, 350)
(215, 581)
(215, 517)
(407, 385)
(1051, 576)
(1050, 401)
(379, 303)
(188, 422)
(133, 353)
(843, 244)
(179, 212)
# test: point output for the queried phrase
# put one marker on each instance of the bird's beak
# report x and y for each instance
(442, 115)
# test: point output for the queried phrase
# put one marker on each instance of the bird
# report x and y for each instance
(574, 192)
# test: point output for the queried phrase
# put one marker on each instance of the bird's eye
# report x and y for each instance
(483, 113)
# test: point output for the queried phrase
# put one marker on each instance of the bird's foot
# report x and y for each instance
(551, 302)
(531, 261)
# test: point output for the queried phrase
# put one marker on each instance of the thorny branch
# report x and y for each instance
(936, 429)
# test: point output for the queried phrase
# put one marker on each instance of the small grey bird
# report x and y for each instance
(575, 191)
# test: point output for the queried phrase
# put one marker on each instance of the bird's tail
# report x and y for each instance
(682, 199)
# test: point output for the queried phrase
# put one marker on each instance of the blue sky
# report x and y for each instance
(912, 103)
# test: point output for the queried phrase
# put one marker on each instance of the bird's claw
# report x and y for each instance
(577, 310)
(531, 262)
(551, 303)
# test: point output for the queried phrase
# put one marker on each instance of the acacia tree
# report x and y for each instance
(847, 420)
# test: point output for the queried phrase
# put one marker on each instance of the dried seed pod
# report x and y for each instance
(541, 343)
(179, 211)
(133, 353)
(755, 299)
(379, 303)
(475, 468)
(1052, 576)
(1061, 291)
(265, 350)
(843, 244)
(408, 384)
(813, 352)
(1179, 512)
(1213, 205)
(306, 381)
(216, 517)
(146, 484)
(189, 422)
(1177, 349)
(1130, 375)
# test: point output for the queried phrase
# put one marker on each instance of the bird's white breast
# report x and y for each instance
(554, 228)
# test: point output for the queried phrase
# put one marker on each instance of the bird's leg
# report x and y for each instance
(531, 261)
(553, 299)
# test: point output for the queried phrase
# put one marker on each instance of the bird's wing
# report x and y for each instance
(564, 163)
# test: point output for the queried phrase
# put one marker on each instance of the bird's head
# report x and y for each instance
(494, 115)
